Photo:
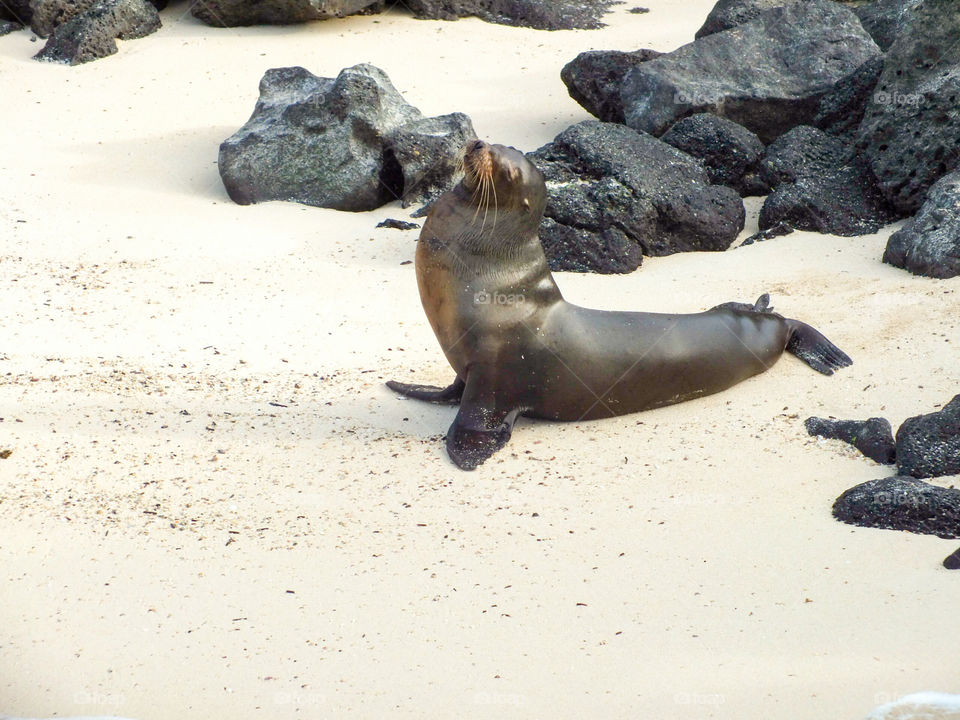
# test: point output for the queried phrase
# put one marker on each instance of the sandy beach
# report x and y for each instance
(214, 508)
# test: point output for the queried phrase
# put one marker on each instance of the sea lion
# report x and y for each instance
(518, 348)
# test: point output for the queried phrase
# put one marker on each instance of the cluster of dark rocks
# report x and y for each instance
(926, 446)
(83, 30)
(539, 14)
(845, 118)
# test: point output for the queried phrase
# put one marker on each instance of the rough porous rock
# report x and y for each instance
(778, 230)
(427, 151)
(820, 184)
(92, 34)
(538, 14)
(910, 131)
(47, 15)
(769, 74)
(929, 445)
(394, 224)
(731, 13)
(574, 249)
(610, 186)
(9, 26)
(842, 108)
(872, 437)
(593, 79)
(901, 503)
(350, 143)
(730, 152)
(16, 11)
(233, 13)
(929, 243)
(885, 19)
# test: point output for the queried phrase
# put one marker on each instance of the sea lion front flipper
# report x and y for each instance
(481, 427)
(431, 393)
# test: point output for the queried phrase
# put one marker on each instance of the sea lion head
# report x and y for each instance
(501, 181)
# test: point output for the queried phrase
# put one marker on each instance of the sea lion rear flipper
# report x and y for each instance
(814, 349)
(481, 427)
(431, 393)
(762, 305)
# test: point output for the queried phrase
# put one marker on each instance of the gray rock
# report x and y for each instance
(350, 143)
(233, 13)
(539, 14)
(929, 243)
(820, 185)
(769, 74)
(593, 79)
(9, 26)
(929, 445)
(92, 34)
(841, 109)
(610, 186)
(873, 437)
(17, 11)
(901, 503)
(427, 152)
(910, 131)
(730, 152)
(49, 14)
(730, 13)
(885, 19)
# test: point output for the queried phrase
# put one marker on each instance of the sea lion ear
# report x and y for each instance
(526, 203)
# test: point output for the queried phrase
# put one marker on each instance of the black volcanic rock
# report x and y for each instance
(901, 503)
(952, 561)
(885, 19)
(873, 437)
(606, 251)
(929, 445)
(611, 186)
(730, 152)
(46, 15)
(16, 11)
(778, 230)
(349, 143)
(929, 243)
(538, 14)
(841, 109)
(427, 151)
(233, 13)
(9, 26)
(820, 184)
(769, 74)
(593, 79)
(92, 34)
(910, 132)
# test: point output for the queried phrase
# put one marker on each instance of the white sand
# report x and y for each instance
(173, 545)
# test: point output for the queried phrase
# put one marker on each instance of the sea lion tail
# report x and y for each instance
(811, 346)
